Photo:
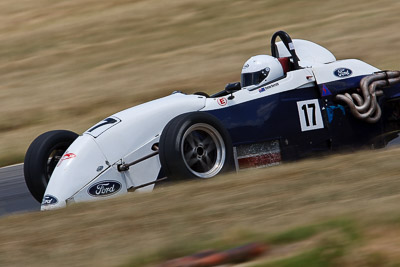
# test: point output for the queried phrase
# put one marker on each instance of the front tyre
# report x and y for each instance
(42, 157)
(195, 145)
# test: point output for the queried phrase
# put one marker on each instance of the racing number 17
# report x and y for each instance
(310, 115)
(312, 107)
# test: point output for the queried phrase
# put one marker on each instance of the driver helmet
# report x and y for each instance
(260, 70)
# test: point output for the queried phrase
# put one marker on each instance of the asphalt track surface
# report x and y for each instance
(14, 195)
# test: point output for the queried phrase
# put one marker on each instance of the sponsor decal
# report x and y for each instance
(49, 200)
(66, 156)
(104, 188)
(246, 66)
(330, 111)
(325, 91)
(342, 72)
(262, 89)
(222, 101)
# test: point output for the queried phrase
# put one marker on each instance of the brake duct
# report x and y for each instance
(363, 104)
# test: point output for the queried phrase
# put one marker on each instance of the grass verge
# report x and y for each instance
(299, 209)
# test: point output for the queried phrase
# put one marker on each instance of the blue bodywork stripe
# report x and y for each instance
(267, 118)
(340, 86)
(276, 117)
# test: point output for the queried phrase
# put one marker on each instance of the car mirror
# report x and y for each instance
(232, 87)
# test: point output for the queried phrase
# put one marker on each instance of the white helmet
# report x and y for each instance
(260, 70)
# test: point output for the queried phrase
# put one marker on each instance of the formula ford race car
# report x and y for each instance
(298, 102)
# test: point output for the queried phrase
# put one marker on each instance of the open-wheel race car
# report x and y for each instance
(298, 102)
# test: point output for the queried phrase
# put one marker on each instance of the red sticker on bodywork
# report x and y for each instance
(222, 101)
(65, 157)
(325, 91)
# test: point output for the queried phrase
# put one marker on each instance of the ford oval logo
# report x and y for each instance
(342, 72)
(104, 188)
(49, 200)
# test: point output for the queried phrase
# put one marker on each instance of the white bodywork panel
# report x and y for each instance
(74, 173)
(325, 73)
(145, 171)
(123, 137)
(309, 53)
(102, 182)
(144, 122)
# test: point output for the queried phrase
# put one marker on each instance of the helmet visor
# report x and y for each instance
(254, 78)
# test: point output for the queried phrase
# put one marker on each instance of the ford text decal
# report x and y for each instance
(104, 188)
(49, 200)
(342, 72)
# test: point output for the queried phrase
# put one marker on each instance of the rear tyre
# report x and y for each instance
(195, 145)
(42, 158)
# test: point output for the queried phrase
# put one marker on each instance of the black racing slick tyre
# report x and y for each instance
(195, 145)
(42, 157)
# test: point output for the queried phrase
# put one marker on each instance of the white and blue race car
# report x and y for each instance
(298, 102)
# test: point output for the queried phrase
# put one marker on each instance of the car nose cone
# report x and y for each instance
(73, 172)
(51, 202)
